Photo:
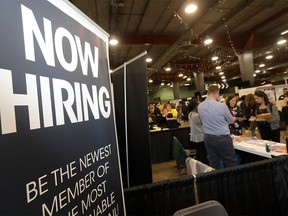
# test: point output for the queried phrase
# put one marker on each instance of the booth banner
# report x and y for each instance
(58, 149)
(281, 92)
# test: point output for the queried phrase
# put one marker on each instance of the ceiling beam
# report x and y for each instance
(142, 39)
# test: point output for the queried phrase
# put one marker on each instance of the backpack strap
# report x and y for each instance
(270, 106)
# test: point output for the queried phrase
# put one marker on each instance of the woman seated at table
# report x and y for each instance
(236, 127)
(267, 117)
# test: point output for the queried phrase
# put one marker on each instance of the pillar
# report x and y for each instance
(199, 81)
(246, 65)
(176, 90)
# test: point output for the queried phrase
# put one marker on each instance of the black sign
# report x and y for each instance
(58, 151)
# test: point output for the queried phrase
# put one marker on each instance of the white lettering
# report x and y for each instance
(88, 55)
(93, 104)
(30, 28)
(67, 97)
(8, 101)
(106, 113)
(59, 35)
(46, 44)
(46, 102)
(60, 104)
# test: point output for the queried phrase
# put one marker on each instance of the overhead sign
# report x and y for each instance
(58, 150)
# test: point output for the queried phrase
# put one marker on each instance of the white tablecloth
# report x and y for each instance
(257, 146)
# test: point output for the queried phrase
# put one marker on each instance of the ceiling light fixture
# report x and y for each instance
(284, 32)
(223, 77)
(221, 73)
(224, 80)
(162, 84)
(257, 71)
(214, 58)
(269, 56)
(281, 40)
(188, 79)
(113, 42)
(262, 65)
(150, 81)
(168, 68)
(208, 41)
(184, 77)
(191, 8)
(218, 67)
(180, 75)
(148, 60)
(254, 75)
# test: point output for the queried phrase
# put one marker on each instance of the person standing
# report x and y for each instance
(236, 126)
(196, 132)
(268, 127)
(248, 107)
(215, 118)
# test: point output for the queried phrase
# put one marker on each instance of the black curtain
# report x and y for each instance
(118, 81)
(137, 121)
(162, 198)
(139, 154)
(259, 188)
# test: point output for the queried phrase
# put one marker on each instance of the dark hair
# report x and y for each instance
(263, 95)
(249, 100)
(213, 89)
(242, 98)
(193, 104)
(228, 99)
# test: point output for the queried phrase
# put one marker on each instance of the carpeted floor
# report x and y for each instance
(165, 170)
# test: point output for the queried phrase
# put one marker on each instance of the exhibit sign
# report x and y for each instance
(58, 148)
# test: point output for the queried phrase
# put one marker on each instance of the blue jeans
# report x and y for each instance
(220, 147)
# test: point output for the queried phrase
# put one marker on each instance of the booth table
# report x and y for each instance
(252, 149)
(162, 142)
(248, 149)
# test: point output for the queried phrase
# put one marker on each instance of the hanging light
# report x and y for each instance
(262, 65)
(168, 68)
(150, 81)
(208, 41)
(180, 75)
(269, 56)
(162, 84)
(188, 79)
(221, 73)
(281, 40)
(223, 80)
(284, 32)
(214, 58)
(184, 77)
(148, 60)
(223, 77)
(113, 42)
(218, 67)
(257, 71)
(254, 75)
(190, 8)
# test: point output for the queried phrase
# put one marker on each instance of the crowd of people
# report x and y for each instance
(213, 121)
(169, 110)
